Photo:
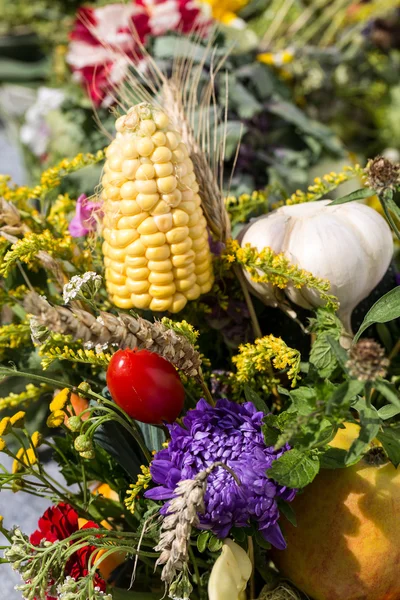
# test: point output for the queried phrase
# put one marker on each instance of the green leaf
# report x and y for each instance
(390, 440)
(357, 195)
(202, 541)
(344, 395)
(294, 469)
(254, 398)
(370, 424)
(339, 351)
(388, 411)
(385, 309)
(214, 543)
(388, 391)
(333, 458)
(303, 400)
(274, 425)
(286, 509)
(323, 357)
(261, 541)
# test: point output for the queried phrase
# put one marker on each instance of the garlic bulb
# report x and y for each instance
(230, 573)
(349, 244)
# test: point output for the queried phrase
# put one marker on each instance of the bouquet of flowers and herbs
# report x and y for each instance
(203, 386)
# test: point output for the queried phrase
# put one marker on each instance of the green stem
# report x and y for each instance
(250, 306)
(205, 389)
(389, 217)
(195, 566)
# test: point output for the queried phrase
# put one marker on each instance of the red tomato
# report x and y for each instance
(146, 386)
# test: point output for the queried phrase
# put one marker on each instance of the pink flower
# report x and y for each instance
(84, 219)
(103, 43)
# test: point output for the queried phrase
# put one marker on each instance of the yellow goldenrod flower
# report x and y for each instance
(18, 420)
(2, 444)
(36, 439)
(56, 418)
(257, 358)
(60, 400)
(5, 425)
(142, 483)
(1, 520)
(29, 395)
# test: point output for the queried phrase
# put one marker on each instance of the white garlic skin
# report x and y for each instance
(230, 573)
(350, 244)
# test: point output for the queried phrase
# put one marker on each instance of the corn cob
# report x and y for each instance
(156, 250)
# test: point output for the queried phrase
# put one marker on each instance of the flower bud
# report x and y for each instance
(89, 454)
(84, 386)
(74, 424)
(83, 444)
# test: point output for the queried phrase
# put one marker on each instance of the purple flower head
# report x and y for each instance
(230, 433)
(84, 219)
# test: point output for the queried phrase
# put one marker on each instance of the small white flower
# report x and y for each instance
(84, 286)
(35, 132)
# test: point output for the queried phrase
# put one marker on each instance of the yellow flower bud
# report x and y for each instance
(60, 400)
(18, 419)
(56, 418)
(5, 425)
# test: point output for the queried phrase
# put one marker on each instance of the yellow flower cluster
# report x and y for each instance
(80, 355)
(29, 395)
(182, 328)
(255, 359)
(324, 185)
(240, 207)
(9, 297)
(142, 483)
(50, 179)
(27, 249)
(275, 269)
(225, 10)
(14, 335)
(59, 210)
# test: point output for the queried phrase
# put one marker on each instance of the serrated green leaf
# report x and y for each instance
(357, 195)
(370, 424)
(202, 541)
(385, 309)
(388, 411)
(339, 351)
(390, 440)
(214, 544)
(303, 400)
(388, 391)
(344, 394)
(254, 398)
(287, 510)
(294, 469)
(323, 357)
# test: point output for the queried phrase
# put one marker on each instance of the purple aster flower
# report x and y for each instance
(84, 219)
(230, 433)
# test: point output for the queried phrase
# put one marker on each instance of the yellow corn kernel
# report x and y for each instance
(158, 253)
(156, 250)
(140, 300)
(147, 201)
(161, 304)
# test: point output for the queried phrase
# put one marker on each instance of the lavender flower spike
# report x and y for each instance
(230, 433)
(84, 219)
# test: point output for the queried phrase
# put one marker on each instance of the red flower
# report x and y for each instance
(58, 523)
(102, 40)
